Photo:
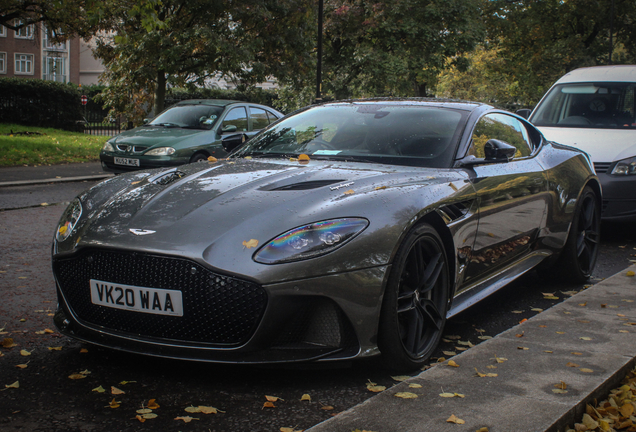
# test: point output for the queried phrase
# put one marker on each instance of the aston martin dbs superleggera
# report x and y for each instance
(343, 230)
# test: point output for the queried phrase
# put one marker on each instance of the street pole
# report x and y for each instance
(319, 65)
(611, 42)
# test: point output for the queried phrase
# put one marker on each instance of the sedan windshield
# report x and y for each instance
(188, 116)
(588, 105)
(367, 132)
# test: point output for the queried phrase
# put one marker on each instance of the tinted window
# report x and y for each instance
(189, 116)
(236, 117)
(502, 127)
(386, 133)
(259, 118)
(588, 105)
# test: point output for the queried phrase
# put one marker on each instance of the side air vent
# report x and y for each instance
(602, 167)
(452, 212)
(313, 184)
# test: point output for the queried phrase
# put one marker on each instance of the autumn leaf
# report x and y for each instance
(484, 337)
(192, 409)
(25, 353)
(466, 343)
(22, 366)
(349, 192)
(500, 359)
(585, 338)
(559, 391)
(380, 187)
(15, 385)
(453, 337)
(586, 370)
(485, 375)
(326, 407)
(373, 387)
(209, 410)
(413, 385)
(152, 404)
(140, 418)
(570, 364)
(454, 419)
(449, 353)
(144, 411)
(536, 310)
(252, 243)
(269, 405)
(212, 159)
(523, 348)
(272, 398)
(630, 273)
(8, 343)
(186, 419)
(406, 395)
(305, 397)
(451, 363)
(114, 404)
(116, 391)
(400, 378)
(561, 385)
(55, 348)
(303, 158)
(99, 389)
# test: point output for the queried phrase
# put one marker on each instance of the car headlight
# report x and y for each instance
(108, 146)
(69, 219)
(310, 241)
(160, 151)
(625, 167)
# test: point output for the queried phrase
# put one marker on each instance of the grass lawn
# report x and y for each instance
(49, 146)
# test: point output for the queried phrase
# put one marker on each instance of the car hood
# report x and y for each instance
(215, 212)
(153, 136)
(603, 145)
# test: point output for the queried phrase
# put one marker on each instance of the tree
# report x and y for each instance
(541, 40)
(185, 42)
(395, 47)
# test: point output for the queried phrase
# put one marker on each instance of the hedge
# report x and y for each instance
(34, 102)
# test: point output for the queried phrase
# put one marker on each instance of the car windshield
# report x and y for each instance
(588, 105)
(367, 132)
(188, 116)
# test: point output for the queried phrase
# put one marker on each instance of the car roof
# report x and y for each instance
(433, 102)
(215, 102)
(616, 73)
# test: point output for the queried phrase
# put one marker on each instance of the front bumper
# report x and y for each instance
(145, 162)
(326, 318)
(619, 197)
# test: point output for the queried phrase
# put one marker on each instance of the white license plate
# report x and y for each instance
(126, 161)
(139, 299)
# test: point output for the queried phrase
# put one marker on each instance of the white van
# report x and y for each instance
(594, 109)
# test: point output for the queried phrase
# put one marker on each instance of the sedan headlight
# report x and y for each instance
(108, 146)
(625, 167)
(68, 220)
(310, 241)
(160, 151)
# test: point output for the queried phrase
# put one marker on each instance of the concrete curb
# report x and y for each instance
(595, 330)
(55, 180)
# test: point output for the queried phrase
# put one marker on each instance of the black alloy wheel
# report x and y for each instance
(416, 299)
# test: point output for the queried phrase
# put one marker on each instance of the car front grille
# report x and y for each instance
(601, 167)
(217, 309)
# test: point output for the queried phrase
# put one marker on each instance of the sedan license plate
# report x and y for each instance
(139, 299)
(126, 161)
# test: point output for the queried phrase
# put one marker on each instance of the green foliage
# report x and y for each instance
(540, 40)
(395, 47)
(46, 146)
(40, 103)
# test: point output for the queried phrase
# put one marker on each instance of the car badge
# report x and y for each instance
(340, 186)
(141, 231)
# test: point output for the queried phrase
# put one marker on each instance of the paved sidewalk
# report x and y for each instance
(594, 331)
(21, 175)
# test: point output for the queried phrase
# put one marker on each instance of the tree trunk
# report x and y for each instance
(420, 90)
(160, 92)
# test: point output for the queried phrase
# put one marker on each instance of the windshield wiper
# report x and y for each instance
(168, 125)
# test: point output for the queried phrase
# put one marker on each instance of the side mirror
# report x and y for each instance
(498, 151)
(229, 129)
(231, 142)
(524, 112)
(147, 120)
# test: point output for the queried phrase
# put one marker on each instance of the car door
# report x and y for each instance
(513, 196)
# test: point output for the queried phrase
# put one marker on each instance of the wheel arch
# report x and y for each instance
(595, 185)
(199, 152)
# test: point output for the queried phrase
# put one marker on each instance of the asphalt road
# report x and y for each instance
(48, 400)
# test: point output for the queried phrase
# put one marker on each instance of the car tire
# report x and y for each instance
(198, 157)
(578, 257)
(415, 301)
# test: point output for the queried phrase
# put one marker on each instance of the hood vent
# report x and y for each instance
(166, 178)
(306, 185)
(452, 212)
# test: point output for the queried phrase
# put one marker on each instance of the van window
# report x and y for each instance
(588, 105)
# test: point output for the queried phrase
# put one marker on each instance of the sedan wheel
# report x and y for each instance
(415, 302)
(198, 157)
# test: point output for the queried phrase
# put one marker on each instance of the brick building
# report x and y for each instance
(30, 52)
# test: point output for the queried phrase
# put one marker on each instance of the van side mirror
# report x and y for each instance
(524, 112)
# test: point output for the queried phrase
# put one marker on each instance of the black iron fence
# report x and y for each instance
(96, 123)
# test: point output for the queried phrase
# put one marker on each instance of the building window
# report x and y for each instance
(3, 63)
(25, 32)
(50, 44)
(24, 64)
(55, 69)
(3, 31)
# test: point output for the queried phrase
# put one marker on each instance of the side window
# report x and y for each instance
(235, 121)
(504, 128)
(259, 118)
(272, 117)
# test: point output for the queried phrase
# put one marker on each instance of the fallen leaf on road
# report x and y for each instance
(523, 348)
(99, 389)
(570, 364)
(186, 419)
(454, 419)
(272, 398)
(630, 273)
(400, 378)
(268, 405)
(415, 385)
(373, 387)
(15, 385)
(116, 391)
(452, 363)
(25, 353)
(152, 404)
(305, 397)
(585, 338)
(586, 370)
(114, 404)
(55, 348)
(406, 395)
(449, 353)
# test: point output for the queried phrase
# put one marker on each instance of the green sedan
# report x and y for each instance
(190, 131)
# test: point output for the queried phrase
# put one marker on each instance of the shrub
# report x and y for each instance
(34, 102)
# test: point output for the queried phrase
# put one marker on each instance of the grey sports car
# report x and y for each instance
(343, 230)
